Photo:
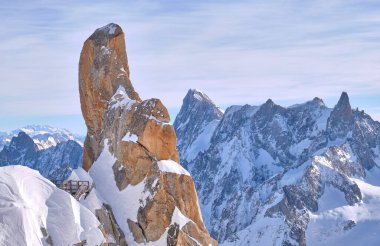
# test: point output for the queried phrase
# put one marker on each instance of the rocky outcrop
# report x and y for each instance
(103, 67)
(130, 150)
(109, 226)
(341, 119)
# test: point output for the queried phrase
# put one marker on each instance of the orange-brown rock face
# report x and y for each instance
(130, 151)
(103, 67)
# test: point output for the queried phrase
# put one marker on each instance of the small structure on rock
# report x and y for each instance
(76, 188)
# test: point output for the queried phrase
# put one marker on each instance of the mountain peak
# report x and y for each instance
(343, 107)
(344, 101)
(341, 118)
(198, 99)
(269, 102)
(198, 95)
(197, 111)
(318, 101)
(21, 141)
(102, 34)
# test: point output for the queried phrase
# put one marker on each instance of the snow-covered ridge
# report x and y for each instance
(35, 212)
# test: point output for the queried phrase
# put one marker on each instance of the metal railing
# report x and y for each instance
(74, 187)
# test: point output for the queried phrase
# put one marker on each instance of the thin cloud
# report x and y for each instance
(237, 52)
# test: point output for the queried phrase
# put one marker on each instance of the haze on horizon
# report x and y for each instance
(240, 52)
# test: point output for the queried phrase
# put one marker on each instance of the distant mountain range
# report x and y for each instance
(52, 151)
(272, 175)
(43, 136)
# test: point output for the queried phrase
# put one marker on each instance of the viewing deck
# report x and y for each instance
(76, 188)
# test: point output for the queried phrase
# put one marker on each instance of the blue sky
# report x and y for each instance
(237, 52)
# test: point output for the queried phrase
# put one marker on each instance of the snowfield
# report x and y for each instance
(33, 211)
(337, 223)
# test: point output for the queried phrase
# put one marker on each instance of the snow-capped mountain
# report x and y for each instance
(54, 163)
(34, 211)
(44, 136)
(198, 132)
(272, 175)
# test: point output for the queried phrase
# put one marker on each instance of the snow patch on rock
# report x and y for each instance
(121, 100)
(129, 137)
(170, 166)
(125, 203)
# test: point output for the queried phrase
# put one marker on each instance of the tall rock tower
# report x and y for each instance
(130, 151)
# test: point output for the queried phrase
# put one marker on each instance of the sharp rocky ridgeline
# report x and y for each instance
(272, 175)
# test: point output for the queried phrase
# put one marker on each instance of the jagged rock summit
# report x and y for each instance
(341, 119)
(130, 151)
(195, 122)
(273, 175)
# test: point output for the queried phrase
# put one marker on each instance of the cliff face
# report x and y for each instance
(130, 150)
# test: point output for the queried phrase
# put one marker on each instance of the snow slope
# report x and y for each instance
(337, 223)
(34, 212)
